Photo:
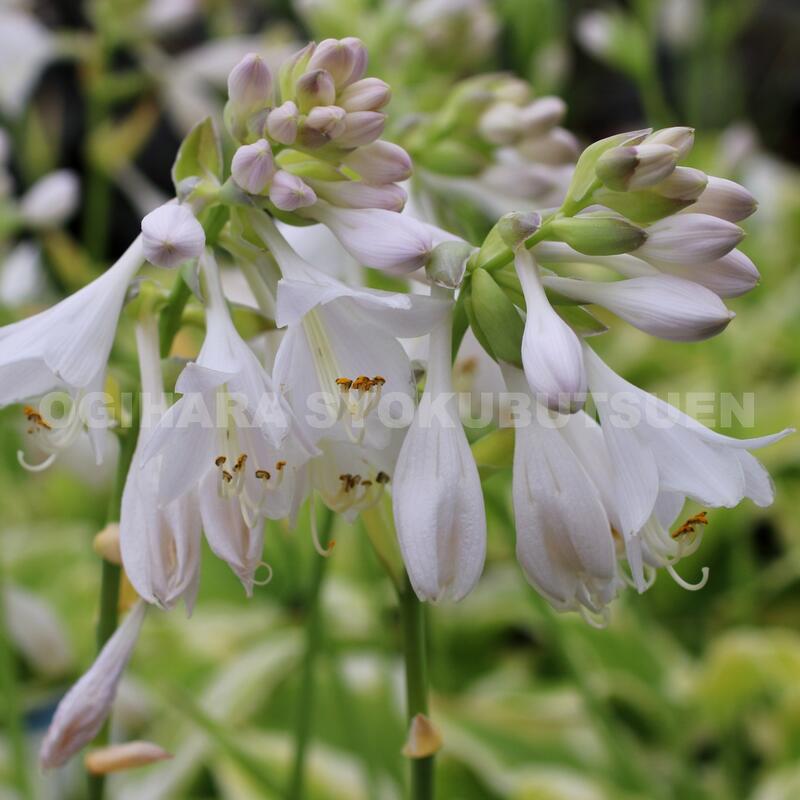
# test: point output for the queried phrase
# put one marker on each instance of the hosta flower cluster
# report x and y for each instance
(338, 417)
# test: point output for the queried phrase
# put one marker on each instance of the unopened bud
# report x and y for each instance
(360, 59)
(119, 757)
(685, 183)
(512, 90)
(354, 194)
(327, 120)
(380, 162)
(690, 238)
(368, 94)
(361, 127)
(293, 67)
(171, 235)
(344, 59)
(314, 88)
(423, 738)
(282, 123)
(106, 544)
(250, 83)
(289, 193)
(448, 262)
(681, 138)
(252, 166)
(725, 199)
(637, 167)
(541, 115)
(518, 226)
(51, 200)
(451, 157)
(501, 124)
(557, 146)
(598, 235)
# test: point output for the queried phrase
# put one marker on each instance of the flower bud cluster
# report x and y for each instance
(313, 131)
(510, 144)
(647, 165)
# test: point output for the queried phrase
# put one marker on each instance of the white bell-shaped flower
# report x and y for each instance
(437, 496)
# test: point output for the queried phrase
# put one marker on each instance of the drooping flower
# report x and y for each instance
(340, 354)
(656, 449)
(84, 709)
(160, 545)
(564, 539)
(436, 495)
(231, 437)
(66, 348)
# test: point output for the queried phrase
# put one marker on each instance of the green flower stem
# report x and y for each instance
(10, 693)
(169, 320)
(111, 576)
(303, 720)
(412, 617)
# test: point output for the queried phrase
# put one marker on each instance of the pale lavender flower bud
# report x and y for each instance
(725, 199)
(685, 183)
(51, 199)
(501, 124)
(558, 146)
(638, 167)
(344, 59)
(368, 94)
(354, 194)
(315, 88)
(679, 137)
(289, 193)
(689, 239)
(250, 82)
(541, 115)
(84, 709)
(327, 120)
(282, 123)
(171, 235)
(252, 166)
(730, 276)
(380, 162)
(360, 59)
(378, 238)
(361, 127)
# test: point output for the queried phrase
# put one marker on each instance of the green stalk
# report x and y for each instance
(305, 707)
(412, 619)
(111, 576)
(10, 692)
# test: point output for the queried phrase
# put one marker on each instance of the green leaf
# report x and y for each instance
(498, 318)
(200, 154)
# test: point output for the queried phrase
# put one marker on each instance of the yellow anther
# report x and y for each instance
(262, 475)
(691, 523)
(279, 465)
(220, 460)
(382, 478)
(226, 476)
(240, 462)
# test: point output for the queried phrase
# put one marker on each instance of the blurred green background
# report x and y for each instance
(686, 695)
